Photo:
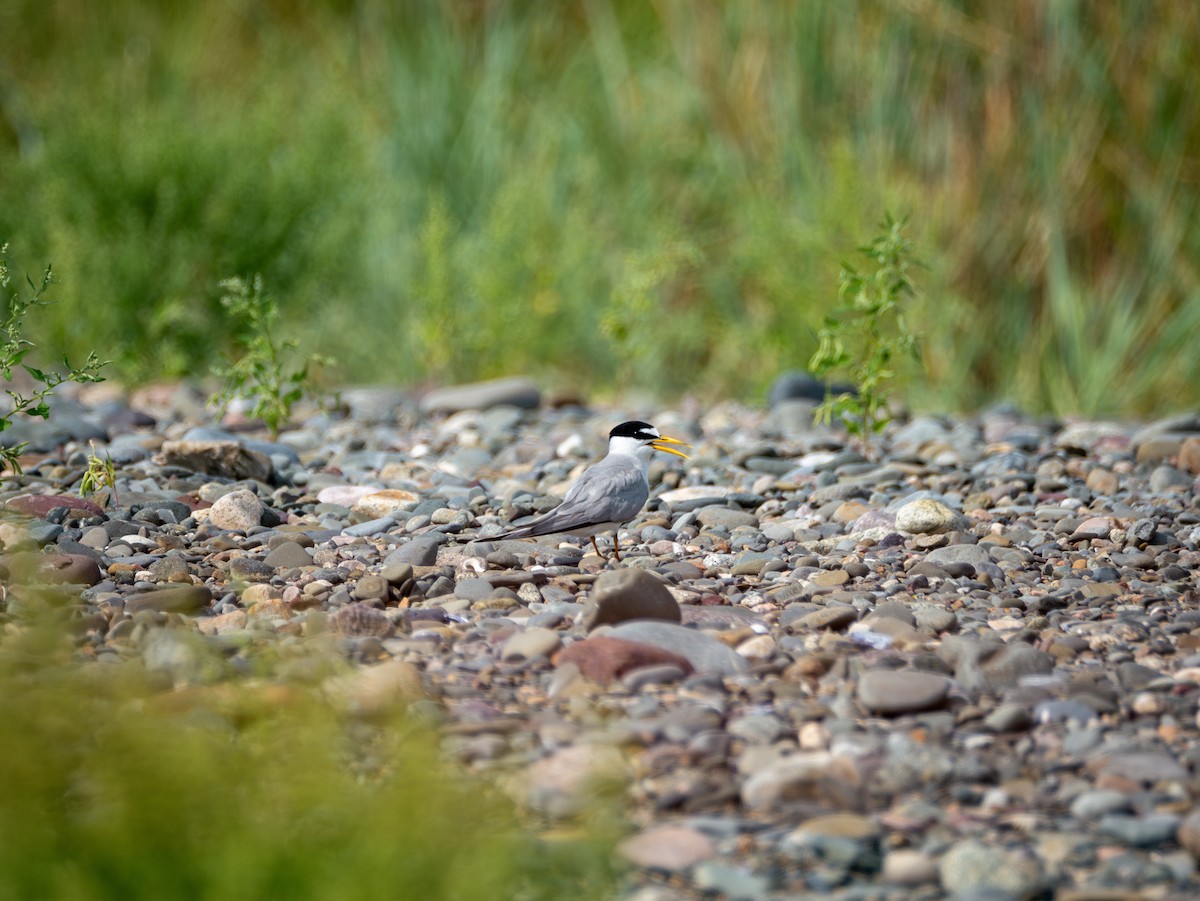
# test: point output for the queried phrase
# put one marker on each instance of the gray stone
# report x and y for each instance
(473, 589)
(1091, 805)
(750, 563)
(288, 555)
(516, 392)
(761, 728)
(397, 573)
(421, 551)
(626, 594)
(975, 554)
(803, 386)
(1148, 767)
(1006, 667)
(726, 517)
(1165, 479)
(911, 437)
(371, 587)
(935, 619)
(736, 883)
(1010, 717)
(1149, 831)
(704, 653)
(835, 617)
(892, 692)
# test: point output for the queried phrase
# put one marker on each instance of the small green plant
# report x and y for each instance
(14, 347)
(99, 473)
(867, 331)
(261, 373)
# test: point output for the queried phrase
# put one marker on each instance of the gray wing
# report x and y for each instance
(613, 490)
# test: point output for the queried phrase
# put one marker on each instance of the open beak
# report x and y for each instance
(664, 444)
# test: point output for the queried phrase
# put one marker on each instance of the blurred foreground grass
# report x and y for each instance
(616, 195)
(113, 788)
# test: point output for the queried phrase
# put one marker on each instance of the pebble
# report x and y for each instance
(927, 517)
(239, 511)
(895, 692)
(909, 868)
(390, 502)
(288, 555)
(530, 644)
(815, 777)
(671, 849)
(629, 594)
(972, 867)
(221, 458)
(570, 779)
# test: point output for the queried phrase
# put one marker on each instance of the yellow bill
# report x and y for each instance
(664, 444)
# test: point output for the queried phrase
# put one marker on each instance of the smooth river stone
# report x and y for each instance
(627, 594)
(892, 692)
(926, 516)
(704, 653)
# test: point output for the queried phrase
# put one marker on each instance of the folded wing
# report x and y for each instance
(612, 491)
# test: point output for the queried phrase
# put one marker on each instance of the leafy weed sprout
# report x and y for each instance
(99, 473)
(261, 374)
(867, 332)
(14, 348)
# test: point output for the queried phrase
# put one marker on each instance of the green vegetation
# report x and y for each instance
(617, 194)
(14, 348)
(99, 473)
(116, 787)
(261, 373)
(865, 333)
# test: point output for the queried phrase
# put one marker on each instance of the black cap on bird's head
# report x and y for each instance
(635, 428)
(648, 435)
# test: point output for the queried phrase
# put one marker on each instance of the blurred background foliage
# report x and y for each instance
(650, 196)
(115, 787)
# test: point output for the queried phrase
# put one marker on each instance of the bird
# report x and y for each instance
(610, 493)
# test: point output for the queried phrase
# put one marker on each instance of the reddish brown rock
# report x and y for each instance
(1189, 455)
(40, 505)
(604, 659)
(1189, 833)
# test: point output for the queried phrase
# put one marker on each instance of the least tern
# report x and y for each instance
(611, 492)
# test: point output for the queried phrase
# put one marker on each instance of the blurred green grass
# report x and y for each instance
(114, 786)
(616, 195)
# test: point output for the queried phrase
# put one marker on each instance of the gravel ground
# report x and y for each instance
(967, 669)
